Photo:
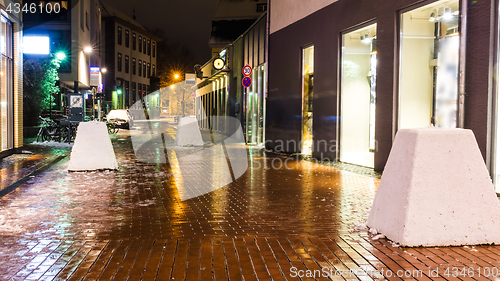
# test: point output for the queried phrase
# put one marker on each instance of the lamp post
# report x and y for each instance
(59, 57)
(88, 51)
(99, 101)
(176, 77)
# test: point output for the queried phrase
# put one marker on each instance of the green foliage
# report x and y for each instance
(39, 83)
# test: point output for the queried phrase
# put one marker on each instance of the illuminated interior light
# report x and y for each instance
(447, 15)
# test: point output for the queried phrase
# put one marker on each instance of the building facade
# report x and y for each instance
(345, 76)
(130, 59)
(221, 92)
(75, 31)
(232, 19)
(11, 86)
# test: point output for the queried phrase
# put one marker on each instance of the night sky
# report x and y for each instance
(186, 21)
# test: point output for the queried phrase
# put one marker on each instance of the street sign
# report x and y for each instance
(247, 82)
(247, 70)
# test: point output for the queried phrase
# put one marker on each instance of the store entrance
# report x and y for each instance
(358, 96)
(429, 58)
(307, 100)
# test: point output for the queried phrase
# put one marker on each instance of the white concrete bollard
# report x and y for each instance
(436, 191)
(92, 149)
(188, 132)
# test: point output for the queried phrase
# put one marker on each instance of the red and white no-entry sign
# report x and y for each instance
(247, 70)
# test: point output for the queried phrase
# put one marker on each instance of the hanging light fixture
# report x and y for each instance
(367, 39)
(433, 16)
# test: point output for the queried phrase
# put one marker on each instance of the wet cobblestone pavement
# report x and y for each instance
(269, 224)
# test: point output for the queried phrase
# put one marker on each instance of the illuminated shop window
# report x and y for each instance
(429, 56)
(358, 96)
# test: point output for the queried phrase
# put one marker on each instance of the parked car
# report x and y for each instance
(121, 117)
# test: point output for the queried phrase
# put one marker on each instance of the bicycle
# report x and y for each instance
(49, 131)
(64, 131)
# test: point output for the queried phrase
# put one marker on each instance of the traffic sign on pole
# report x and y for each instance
(246, 82)
(247, 70)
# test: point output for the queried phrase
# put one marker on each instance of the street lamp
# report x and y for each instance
(60, 55)
(176, 76)
(87, 49)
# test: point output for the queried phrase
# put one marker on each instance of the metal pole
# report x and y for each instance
(183, 103)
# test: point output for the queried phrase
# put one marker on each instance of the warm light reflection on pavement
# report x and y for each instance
(134, 222)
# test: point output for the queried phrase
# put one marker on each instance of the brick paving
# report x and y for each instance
(270, 224)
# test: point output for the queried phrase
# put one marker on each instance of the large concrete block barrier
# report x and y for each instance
(92, 149)
(436, 191)
(188, 132)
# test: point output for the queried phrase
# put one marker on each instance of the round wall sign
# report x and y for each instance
(219, 63)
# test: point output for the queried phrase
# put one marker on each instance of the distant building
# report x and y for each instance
(11, 90)
(76, 31)
(232, 19)
(130, 59)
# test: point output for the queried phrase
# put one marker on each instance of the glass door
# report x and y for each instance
(358, 96)
(307, 99)
(429, 65)
(255, 107)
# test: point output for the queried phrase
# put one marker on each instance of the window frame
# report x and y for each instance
(127, 38)
(127, 64)
(119, 62)
(119, 34)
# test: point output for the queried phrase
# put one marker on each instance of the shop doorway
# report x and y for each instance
(358, 96)
(429, 65)
(307, 99)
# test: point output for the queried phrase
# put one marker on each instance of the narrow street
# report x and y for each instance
(272, 222)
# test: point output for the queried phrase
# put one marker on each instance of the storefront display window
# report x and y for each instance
(496, 145)
(358, 96)
(307, 99)
(255, 107)
(429, 59)
(6, 87)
